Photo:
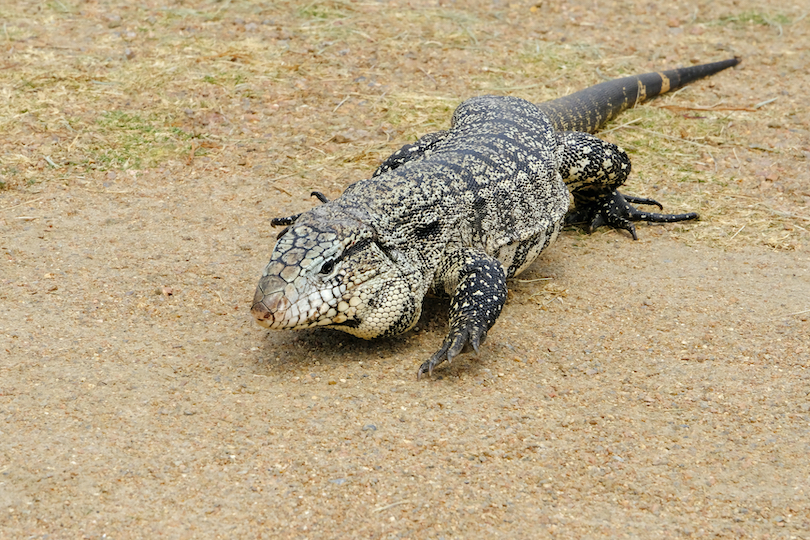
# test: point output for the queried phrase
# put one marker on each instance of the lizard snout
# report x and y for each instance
(269, 301)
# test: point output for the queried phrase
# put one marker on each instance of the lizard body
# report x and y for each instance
(457, 213)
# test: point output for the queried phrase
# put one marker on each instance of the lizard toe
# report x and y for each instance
(469, 338)
(614, 210)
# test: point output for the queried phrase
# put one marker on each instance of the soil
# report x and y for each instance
(649, 389)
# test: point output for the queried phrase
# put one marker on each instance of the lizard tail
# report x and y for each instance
(590, 109)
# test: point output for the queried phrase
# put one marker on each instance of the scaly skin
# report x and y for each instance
(458, 212)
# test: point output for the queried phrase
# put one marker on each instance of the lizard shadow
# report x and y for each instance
(291, 352)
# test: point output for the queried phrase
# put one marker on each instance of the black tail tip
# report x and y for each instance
(723, 64)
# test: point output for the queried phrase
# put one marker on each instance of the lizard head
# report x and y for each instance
(330, 270)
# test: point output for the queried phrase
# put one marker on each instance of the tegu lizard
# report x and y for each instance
(457, 213)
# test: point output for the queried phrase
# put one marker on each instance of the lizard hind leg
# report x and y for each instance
(593, 169)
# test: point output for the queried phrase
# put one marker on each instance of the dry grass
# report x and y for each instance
(314, 95)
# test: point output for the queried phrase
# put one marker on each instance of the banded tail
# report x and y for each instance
(590, 109)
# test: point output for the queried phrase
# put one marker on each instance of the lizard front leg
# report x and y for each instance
(476, 283)
(288, 221)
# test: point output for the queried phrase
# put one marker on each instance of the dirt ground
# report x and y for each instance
(649, 389)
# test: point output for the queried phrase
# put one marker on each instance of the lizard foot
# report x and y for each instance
(615, 211)
(478, 284)
(457, 342)
(278, 222)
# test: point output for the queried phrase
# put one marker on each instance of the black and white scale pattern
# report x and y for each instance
(458, 212)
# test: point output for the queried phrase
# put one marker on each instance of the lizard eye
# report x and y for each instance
(327, 267)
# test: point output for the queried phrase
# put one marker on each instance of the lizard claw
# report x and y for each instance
(454, 344)
(290, 220)
(643, 200)
(478, 297)
(617, 221)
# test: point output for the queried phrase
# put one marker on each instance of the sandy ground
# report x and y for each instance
(650, 389)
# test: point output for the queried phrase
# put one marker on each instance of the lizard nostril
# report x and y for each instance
(270, 308)
(269, 301)
(260, 311)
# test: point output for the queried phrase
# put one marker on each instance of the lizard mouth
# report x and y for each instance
(277, 305)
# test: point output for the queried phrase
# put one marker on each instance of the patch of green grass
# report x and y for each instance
(755, 17)
(324, 10)
(60, 6)
(227, 79)
(134, 141)
(8, 176)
